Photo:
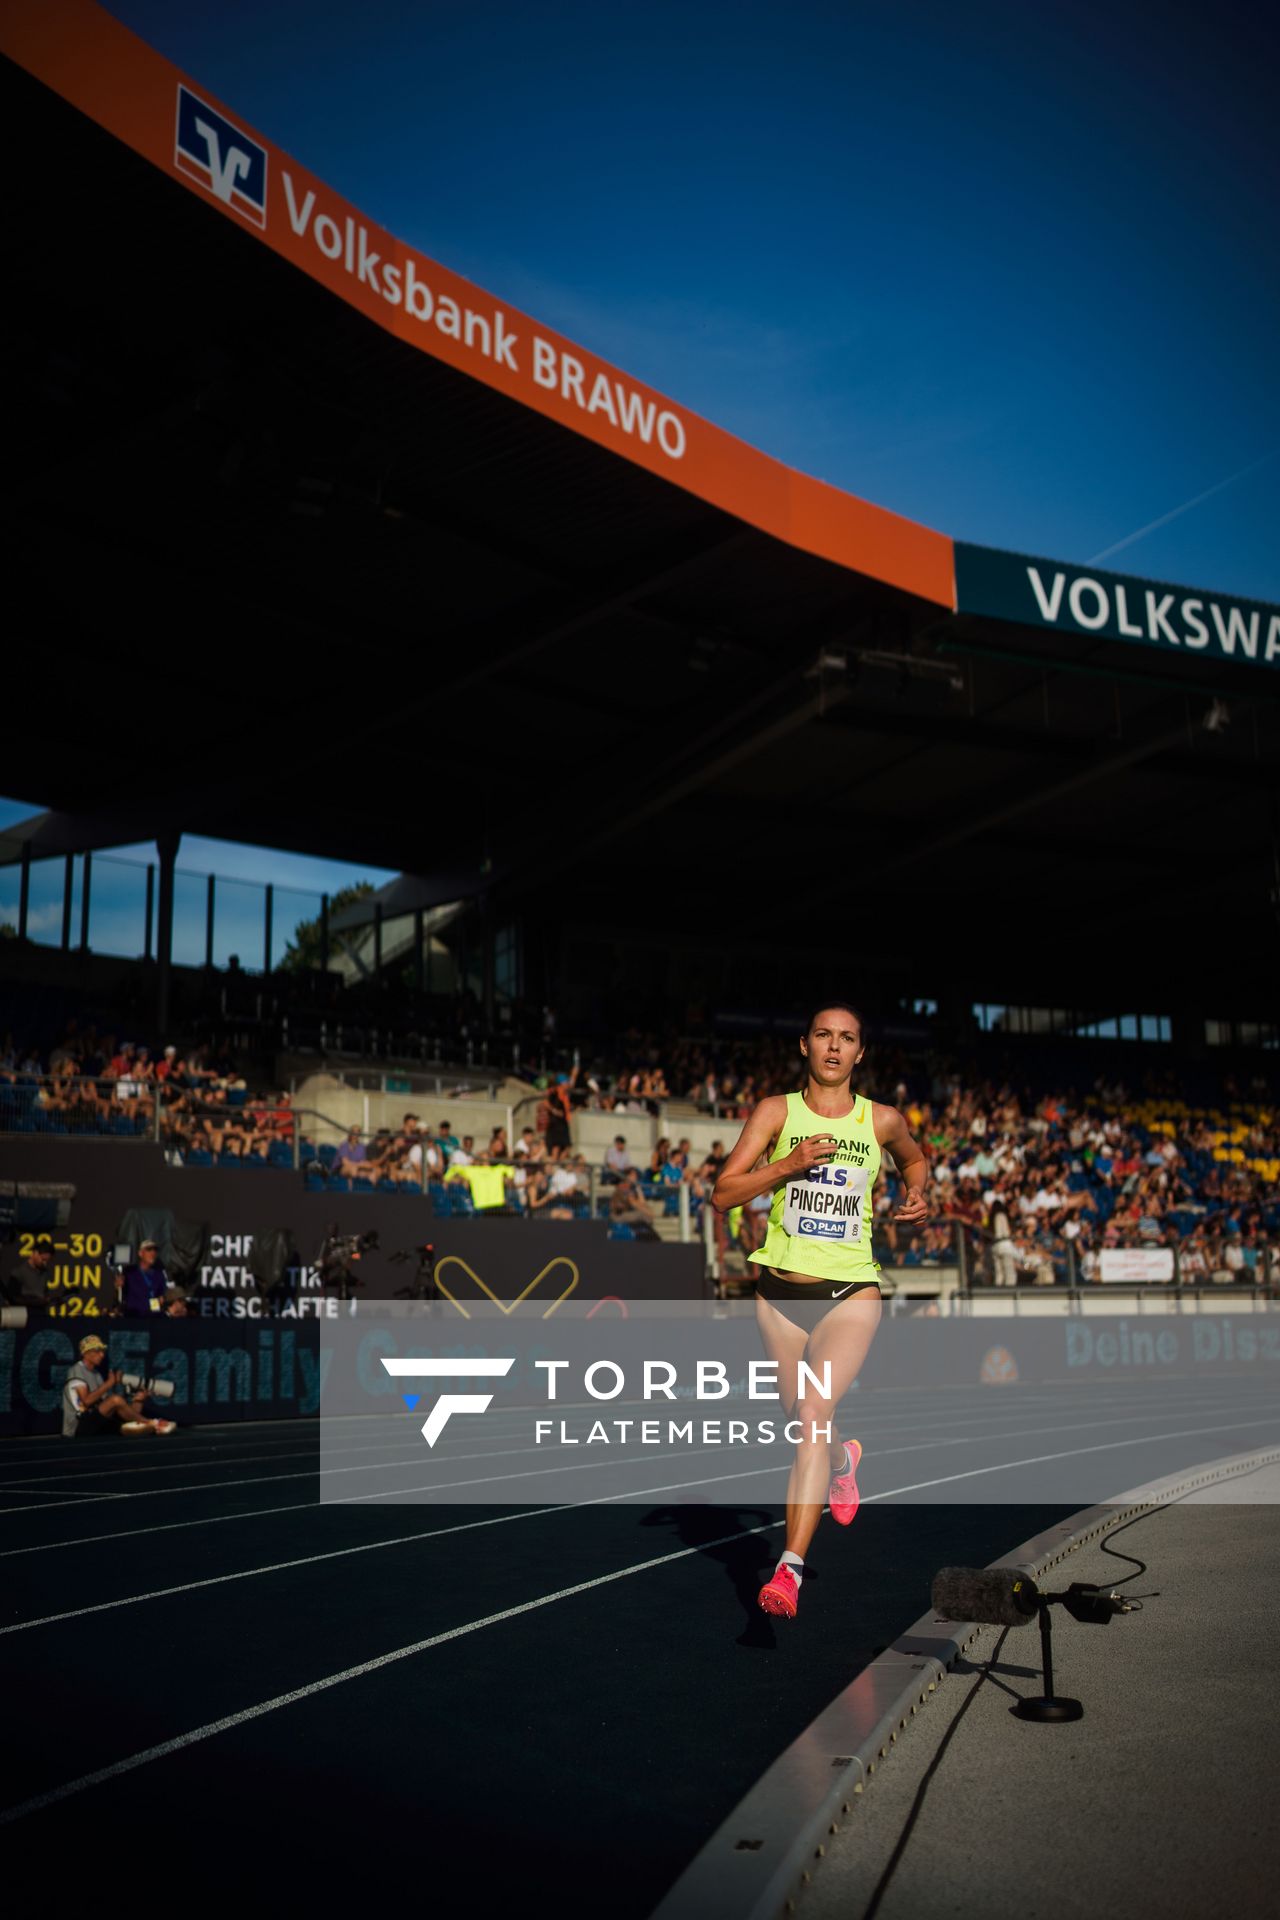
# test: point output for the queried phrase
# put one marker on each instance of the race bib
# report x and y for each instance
(826, 1204)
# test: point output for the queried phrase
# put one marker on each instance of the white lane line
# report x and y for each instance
(185, 1459)
(314, 1506)
(201, 1462)
(166, 1747)
(341, 1553)
(166, 1526)
(278, 1566)
(1071, 1453)
(995, 1403)
(588, 1466)
(38, 1493)
(355, 1499)
(163, 1493)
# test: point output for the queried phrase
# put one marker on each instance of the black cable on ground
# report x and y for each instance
(1139, 1567)
(900, 1846)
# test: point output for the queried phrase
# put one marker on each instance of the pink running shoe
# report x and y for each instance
(780, 1594)
(843, 1495)
(164, 1426)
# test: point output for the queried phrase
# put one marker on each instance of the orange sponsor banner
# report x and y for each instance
(82, 53)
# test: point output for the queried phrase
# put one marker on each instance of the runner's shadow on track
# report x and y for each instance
(747, 1562)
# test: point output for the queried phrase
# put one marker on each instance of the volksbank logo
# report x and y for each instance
(221, 157)
(449, 1403)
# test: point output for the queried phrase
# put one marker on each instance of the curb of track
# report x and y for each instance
(758, 1861)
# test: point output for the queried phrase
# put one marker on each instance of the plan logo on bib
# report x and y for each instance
(221, 157)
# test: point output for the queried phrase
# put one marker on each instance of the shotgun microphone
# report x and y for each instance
(995, 1596)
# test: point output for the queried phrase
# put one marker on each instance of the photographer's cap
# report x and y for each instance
(93, 1343)
(148, 1243)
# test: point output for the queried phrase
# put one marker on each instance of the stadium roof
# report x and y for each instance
(330, 550)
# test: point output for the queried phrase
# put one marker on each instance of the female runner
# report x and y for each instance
(818, 1298)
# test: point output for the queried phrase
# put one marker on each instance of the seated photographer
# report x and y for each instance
(91, 1406)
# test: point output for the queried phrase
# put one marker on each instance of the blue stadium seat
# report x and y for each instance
(315, 1182)
(236, 1096)
(198, 1157)
(326, 1155)
(339, 1183)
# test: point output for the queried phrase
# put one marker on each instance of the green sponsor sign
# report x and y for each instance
(1115, 606)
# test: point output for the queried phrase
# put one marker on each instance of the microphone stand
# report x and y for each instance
(1047, 1706)
(1083, 1601)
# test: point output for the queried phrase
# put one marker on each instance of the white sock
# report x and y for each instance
(794, 1565)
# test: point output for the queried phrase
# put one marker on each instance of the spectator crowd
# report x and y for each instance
(1037, 1182)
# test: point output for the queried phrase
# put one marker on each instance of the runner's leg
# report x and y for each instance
(841, 1339)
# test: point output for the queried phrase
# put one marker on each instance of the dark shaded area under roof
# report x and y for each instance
(277, 577)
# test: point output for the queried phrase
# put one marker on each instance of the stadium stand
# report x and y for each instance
(1078, 1173)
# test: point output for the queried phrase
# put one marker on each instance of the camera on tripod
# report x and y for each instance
(423, 1284)
(339, 1255)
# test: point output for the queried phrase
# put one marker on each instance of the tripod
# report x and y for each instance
(423, 1285)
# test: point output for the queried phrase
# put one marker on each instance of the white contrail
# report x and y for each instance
(1186, 507)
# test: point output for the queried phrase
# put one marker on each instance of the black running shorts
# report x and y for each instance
(804, 1302)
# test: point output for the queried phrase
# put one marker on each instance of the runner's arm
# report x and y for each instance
(741, 1179)
(909, 1159)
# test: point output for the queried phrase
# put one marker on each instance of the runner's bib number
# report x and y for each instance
(826, 1204)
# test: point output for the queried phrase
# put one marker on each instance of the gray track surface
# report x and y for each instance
(1162, 1800)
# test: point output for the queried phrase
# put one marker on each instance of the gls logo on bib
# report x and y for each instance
(222, 158)
(826, 1204)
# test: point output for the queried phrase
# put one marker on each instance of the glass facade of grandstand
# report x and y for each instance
(104, 904)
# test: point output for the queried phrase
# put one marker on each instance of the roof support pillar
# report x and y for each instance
(24, 890)
(167, 847)
(486, 933)
(68, 889)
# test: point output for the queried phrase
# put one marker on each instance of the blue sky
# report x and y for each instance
(1011, 271)
(1008, 270)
